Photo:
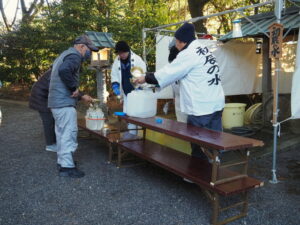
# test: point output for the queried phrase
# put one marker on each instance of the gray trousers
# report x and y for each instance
(49, 130)
(66, 135)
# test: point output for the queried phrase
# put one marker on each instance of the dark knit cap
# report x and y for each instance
(185, 33)
(122, 46)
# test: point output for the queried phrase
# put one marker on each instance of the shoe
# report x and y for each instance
(59, 166)
(51, 148)
(70, 172)
(188, 181)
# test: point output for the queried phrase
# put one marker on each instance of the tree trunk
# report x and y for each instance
(255, 2)
(196, 9)
(29, 14)
(131, 4)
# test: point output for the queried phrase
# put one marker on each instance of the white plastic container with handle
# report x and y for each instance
(141, 103)
(94, 118)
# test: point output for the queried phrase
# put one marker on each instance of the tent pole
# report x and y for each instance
(275, 120)
(144, 45)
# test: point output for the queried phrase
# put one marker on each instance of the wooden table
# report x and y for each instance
(215, 178)
(212, 143)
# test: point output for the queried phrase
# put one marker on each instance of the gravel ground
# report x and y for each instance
(32, 193)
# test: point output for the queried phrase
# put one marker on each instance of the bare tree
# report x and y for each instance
(7, 25)
(28, 14)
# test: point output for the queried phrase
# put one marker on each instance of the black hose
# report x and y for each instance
(243, 131)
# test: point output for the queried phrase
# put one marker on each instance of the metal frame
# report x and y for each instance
(192, 20)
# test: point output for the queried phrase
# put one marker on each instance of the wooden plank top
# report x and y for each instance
(192, 168)
(205, 137)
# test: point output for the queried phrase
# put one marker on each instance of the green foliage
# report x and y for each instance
(223, 23)
(32, 47)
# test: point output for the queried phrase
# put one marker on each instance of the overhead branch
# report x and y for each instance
(16, 13)
(4, 16)
(23, 7)
(33, 6)
(34, 9)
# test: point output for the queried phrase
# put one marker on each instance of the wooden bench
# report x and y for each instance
(215, 179)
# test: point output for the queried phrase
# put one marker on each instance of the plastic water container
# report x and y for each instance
(237, 30)
(94, 119)
(233, 115)
(141, 103)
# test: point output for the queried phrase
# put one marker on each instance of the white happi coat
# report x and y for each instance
(195, 67)
(180, 116)
(116, 74)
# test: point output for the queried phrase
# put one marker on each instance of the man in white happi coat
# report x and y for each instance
(201, 93)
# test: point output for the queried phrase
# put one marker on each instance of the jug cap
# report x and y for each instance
(120, 113)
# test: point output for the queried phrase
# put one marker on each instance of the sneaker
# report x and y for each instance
(70, 172)
(51, 148)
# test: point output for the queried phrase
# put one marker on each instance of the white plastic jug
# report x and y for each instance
(141, 103)
(94, 118)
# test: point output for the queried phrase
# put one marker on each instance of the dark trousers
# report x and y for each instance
(49, 127)
(212, 121)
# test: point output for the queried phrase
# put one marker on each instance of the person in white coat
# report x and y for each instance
(120, 73)
(201, 93)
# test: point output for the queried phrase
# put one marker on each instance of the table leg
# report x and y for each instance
(216, 208)
(245, 206)
(110, 152)
(119, 163)
(215, 165)
(144, 134)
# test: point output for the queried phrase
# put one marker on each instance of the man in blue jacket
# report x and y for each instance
(62, 100)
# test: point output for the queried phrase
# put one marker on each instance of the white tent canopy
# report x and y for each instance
(295, 96)
(240, 66)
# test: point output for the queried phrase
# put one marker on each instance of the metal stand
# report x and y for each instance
(275, 122)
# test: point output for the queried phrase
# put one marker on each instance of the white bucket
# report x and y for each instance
(141, 103)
